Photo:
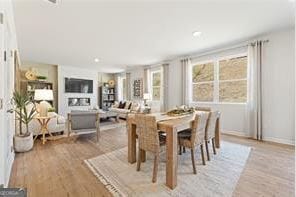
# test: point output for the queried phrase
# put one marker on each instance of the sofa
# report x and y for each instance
(56, 124)
(123, 108)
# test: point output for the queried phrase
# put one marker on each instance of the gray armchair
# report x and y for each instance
(84, 123)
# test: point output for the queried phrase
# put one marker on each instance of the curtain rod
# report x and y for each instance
(237, 46)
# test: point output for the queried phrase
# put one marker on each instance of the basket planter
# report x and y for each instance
(23, 143)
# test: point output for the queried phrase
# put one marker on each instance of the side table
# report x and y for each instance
(44, 123)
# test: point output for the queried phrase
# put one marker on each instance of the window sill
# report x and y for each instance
(217, 103)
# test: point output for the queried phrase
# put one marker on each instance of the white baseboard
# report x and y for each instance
(237, 133)
(10, 163)
(268, 139)
(280, 141)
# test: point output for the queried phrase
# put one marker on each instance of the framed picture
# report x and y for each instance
(138, 88)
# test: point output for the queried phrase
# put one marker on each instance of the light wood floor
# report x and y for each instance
(57, 168)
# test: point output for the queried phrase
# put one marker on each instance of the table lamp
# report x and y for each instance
(146, 96)
(43, 95)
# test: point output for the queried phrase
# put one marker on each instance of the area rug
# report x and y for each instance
(107, 126)
(217, 178)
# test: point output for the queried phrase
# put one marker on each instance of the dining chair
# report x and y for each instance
(195, 136)
(210, 131)
(149, 140)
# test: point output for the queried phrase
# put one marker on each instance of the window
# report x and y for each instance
(233, 80)
(156, 85)
(221, 80)
(203, 82)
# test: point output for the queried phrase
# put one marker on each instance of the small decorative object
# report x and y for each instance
(138, 88)
(51, 109)
(147, 110)
(146, 96)
(181, 110)
(31, 74)
(43, 95)
(111, 83)
(41, 78)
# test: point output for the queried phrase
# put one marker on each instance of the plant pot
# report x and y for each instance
(23, 143)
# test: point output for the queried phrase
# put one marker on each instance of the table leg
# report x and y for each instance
(43, 134)
(217, 133)
(132, 143)
(172, 158)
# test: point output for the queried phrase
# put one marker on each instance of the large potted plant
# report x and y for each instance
(25, 111)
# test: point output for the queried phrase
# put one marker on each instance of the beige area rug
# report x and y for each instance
(218, 178)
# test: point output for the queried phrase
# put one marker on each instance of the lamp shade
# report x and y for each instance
(146, 96)
(43, 95)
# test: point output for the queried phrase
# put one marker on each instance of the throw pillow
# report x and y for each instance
(130, 105)
(115, 105)
(127, 103)
(121, 105)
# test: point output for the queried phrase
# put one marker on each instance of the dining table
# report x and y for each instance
(171, 125)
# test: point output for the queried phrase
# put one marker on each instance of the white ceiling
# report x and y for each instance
(131, 33)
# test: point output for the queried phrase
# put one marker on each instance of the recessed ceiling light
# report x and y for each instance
(97, 59)
(196, 33)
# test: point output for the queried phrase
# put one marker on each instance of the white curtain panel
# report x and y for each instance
(128, 86)
(186, 95)
(164, 96)
(146, 81)
(118, 87)
(254, 104)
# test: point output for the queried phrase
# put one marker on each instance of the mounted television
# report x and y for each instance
(73, 85)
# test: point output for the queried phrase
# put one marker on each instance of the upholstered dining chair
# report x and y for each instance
(149, 140)
(193, 137)
(210, 131)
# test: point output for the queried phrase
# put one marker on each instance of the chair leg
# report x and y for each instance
(155, 168)
(214, 147)
(139, 160)
(202, 154)
(207, 149)
(184, 150)
(180, 150)
(193, 160)
(180, 147)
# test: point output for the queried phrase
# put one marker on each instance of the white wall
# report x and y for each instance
(8, 43)
(74, 72)
(279, 87)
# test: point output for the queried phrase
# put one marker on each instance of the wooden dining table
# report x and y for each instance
(171, 126)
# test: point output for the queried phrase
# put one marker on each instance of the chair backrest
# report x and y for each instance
(83, 120)
(211, 125)
(147, 133)
(199, 127)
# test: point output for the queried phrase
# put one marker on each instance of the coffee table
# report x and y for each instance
(108, 114)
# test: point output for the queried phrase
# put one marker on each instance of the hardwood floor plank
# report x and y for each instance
(57, 168)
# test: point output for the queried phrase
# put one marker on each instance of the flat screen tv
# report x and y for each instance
(73, 85)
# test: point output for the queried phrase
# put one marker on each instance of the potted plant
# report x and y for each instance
(23, 140)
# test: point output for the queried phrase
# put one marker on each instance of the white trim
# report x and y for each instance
(232, 56)
(216, 103)
(279, 140)
(237, 133)
(10, 163)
